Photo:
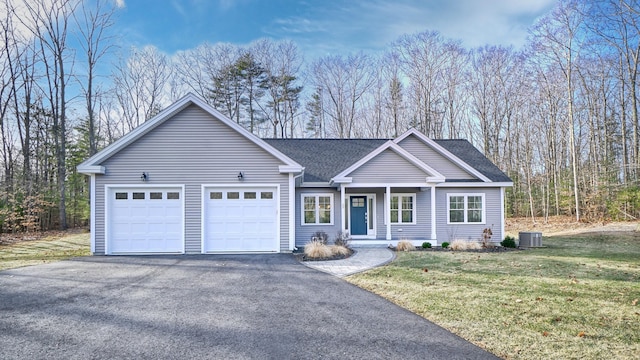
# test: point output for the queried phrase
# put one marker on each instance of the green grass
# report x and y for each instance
(27, 253)
(578, 298)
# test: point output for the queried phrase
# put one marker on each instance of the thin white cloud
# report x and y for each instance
(120, 4)
(373, 24)
(177, 6)
(298, 25)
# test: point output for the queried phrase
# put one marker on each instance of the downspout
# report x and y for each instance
(502, 213)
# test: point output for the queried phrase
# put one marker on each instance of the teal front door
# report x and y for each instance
(358, 215)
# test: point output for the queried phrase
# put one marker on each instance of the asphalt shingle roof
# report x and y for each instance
(472, 156)
(325, 158)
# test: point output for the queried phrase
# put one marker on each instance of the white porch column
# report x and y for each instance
(433, 212)
(292, 211)
(387, 210)
(343, 208)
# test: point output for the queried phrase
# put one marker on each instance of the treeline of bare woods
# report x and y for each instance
(560, 116)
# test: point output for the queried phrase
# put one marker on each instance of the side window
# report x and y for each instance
(465, 208)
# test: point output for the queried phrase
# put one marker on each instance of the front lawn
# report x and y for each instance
(578, 298)
(56, 247)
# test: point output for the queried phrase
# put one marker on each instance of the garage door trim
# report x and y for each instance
(203, 222)
(107, 210)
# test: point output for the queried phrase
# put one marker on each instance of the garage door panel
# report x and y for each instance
(240, 219)
(145, 220)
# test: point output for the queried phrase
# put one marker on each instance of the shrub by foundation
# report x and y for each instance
(317, 250)
(508, 242)
(472, 245)
(461, 245)
(340, 250)
(404, 245)
(342, 239)
(320, 236)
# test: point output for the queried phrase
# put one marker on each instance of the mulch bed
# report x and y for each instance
(495, 249)
(300, 256)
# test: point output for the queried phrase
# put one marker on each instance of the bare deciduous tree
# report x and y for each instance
(141, 84)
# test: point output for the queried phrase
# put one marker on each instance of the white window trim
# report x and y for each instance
(317, 209)
(414, 216)
(466, 208)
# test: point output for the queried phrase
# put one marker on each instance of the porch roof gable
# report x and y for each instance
(343, 176)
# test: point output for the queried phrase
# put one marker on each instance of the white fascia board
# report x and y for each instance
(476, 184)
(398, 150)
(435, 180)
(170, 111)
(384, 185)
(308, 184)
(444, 152)
(341, 180)
(289, 169)
(91, 169)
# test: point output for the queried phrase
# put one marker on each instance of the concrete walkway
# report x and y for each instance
(364, 258)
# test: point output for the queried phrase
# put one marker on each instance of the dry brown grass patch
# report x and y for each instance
(61, 246)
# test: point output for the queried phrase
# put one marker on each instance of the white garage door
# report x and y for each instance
(240, 219)
(145, 220)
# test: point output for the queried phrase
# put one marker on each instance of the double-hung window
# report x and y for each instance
(403, 208)
(317, 209)
(465, 208)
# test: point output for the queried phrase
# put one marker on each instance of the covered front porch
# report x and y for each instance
(382, 215)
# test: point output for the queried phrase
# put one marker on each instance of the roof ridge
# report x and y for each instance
(333, 139)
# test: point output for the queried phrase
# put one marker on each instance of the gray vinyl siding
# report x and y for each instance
(192, 149)
(418, 231)
(432, 158)
(388, 167)
(304, 232)
(469, 232)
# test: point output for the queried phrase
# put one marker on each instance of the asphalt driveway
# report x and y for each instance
(210, 307)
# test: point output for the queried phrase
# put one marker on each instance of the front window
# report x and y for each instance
(403, 209)
(466, 208)
(317, 209)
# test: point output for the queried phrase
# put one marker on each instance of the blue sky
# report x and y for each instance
(322, 27)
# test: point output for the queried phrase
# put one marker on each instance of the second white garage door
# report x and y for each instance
(240, 219)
